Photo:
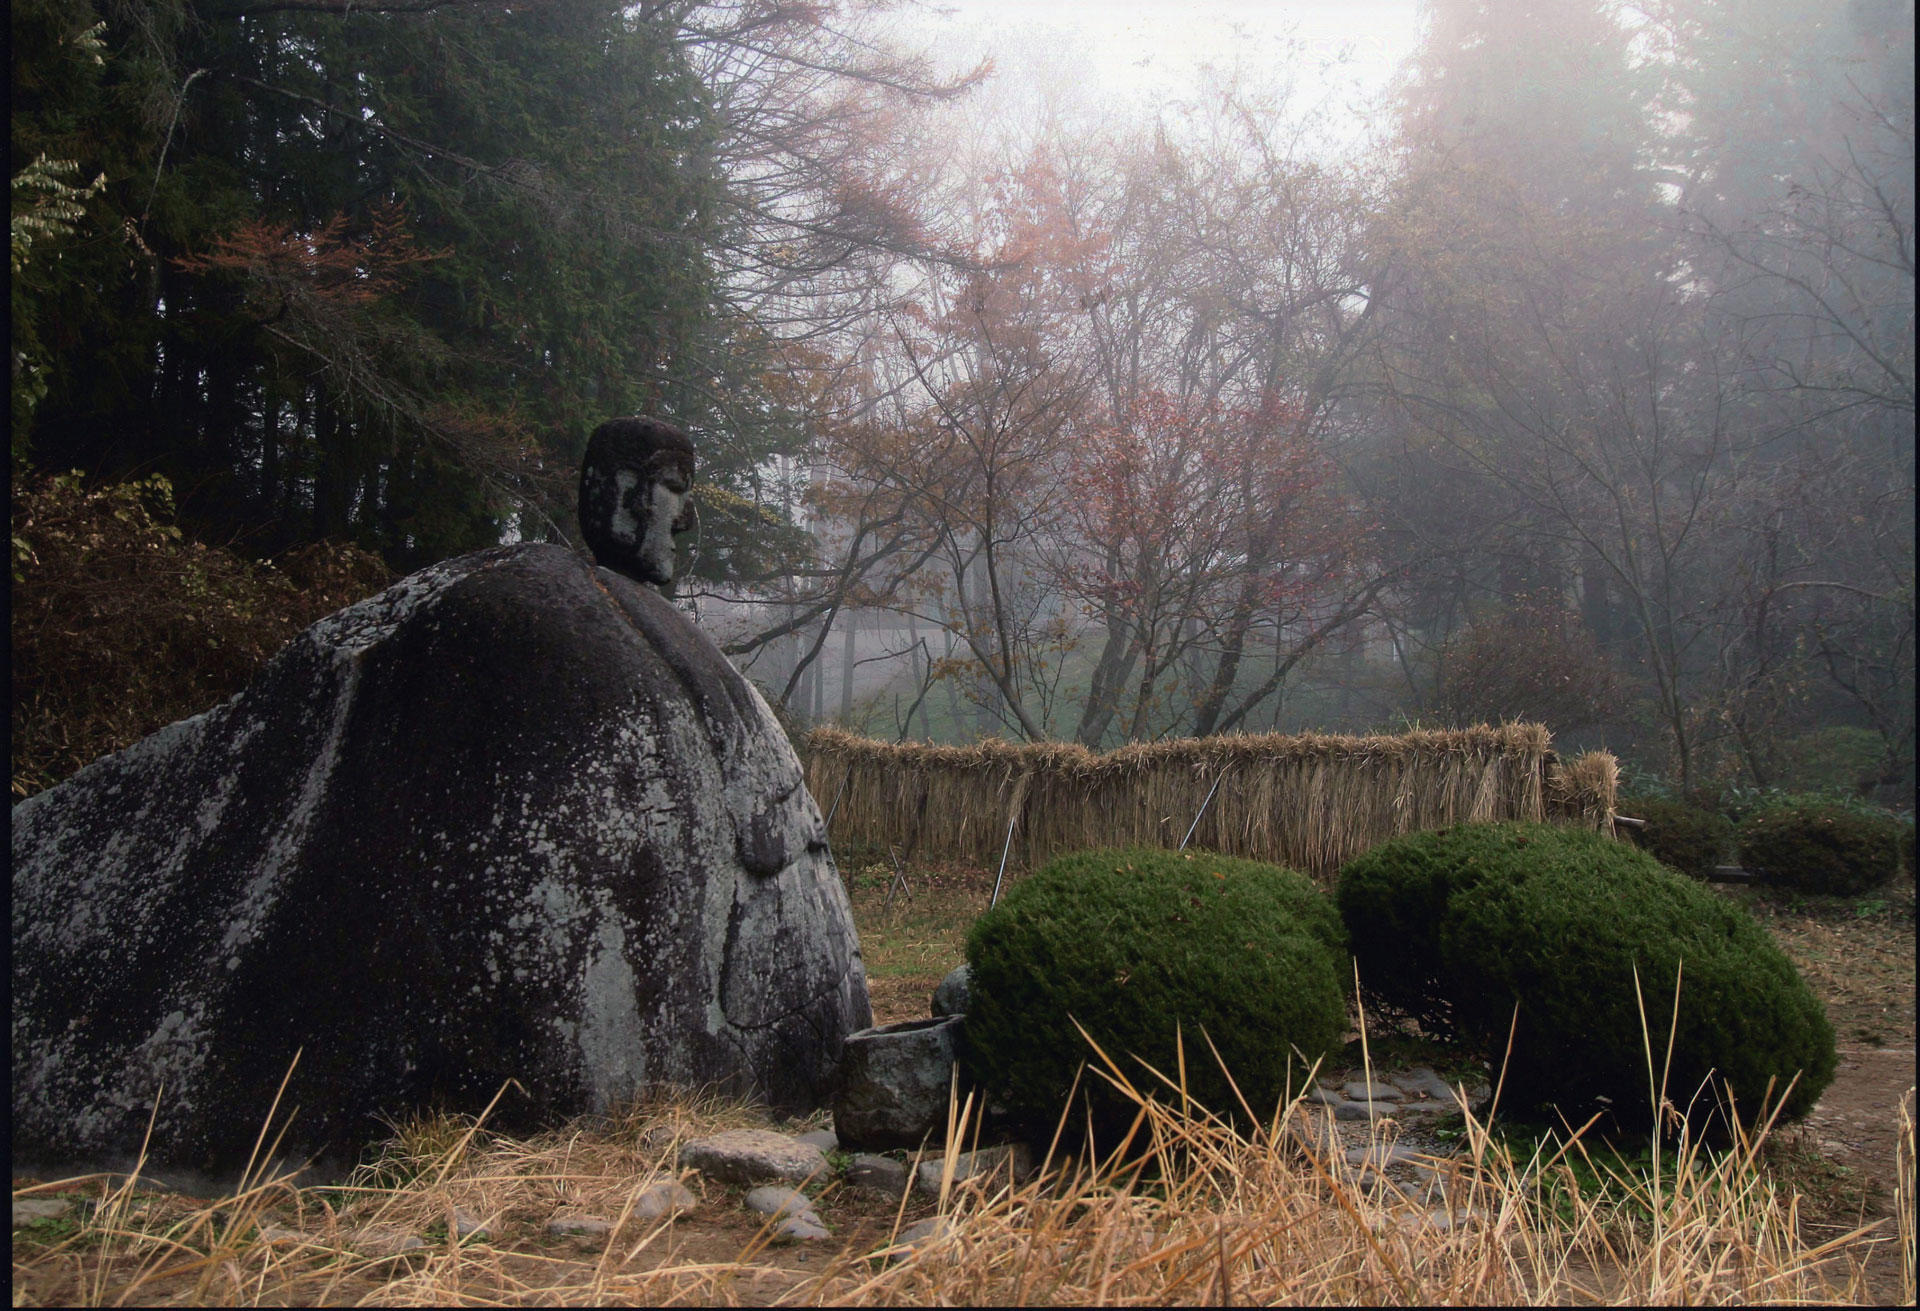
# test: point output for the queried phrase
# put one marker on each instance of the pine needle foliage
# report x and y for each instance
(1155, 956)
(1574, 944)
(1683, 837)
(1810, 845)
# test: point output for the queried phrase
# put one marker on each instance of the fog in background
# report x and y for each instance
(1098, 373)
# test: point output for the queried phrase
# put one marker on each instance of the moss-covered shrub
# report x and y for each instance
(1837, 757)
(1134, 944)
(1556, 922)
(1811, 845)
(1683, 837)
(1392, 899)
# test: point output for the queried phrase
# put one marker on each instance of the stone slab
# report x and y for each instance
(773, 1199)
(753, 1156)
(1360, 1090)
(580, 1224)
(663, 1198)
(880, 1173)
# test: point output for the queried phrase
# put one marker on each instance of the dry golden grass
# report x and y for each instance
(1311, 801)
(1186, 1211)
(1189, 1213)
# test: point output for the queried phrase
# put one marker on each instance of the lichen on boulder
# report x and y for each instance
(513, 819)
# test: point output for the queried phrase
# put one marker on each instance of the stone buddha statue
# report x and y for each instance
(634, 490)
(515, 818)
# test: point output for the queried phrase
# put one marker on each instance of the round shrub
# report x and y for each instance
(1812, 845)
(1391, 900)
(1556, 922)
(1683, 837)
(1832, 757)
(1136, 946)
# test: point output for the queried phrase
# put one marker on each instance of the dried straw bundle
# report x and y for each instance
(1311, 801)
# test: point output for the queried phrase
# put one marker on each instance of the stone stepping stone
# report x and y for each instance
(825, 1139)
(1426, 1081)
(1361, 1110)
(1432, 1220)
(662, 1199)
(384, 1240)
(808, 1228)
(915, 1237)
(1321, 1095)
(793, 1209)
(753, 1156)
(26, 1210)
(1360, 1090)
(569, 1223)
(880, 1173)
(985, 1161)
(1384, 1155)
(772, 1199)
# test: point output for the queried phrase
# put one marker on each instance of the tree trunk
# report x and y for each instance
(816, 677)
(918, 657)
(1110, 674)
(848, 658)
(1206, 713)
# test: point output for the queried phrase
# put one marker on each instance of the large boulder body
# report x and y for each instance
(513, 818)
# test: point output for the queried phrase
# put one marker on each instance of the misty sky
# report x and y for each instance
(1337, 51)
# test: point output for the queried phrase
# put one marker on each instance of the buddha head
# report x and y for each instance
(634, 487)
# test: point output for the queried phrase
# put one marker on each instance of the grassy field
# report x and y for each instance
(1193, 1214)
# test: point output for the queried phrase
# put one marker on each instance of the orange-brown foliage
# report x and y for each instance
(121, 624)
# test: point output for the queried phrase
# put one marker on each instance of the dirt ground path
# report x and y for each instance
(1858, 956)
(1849, 1143)
(1857, 1122)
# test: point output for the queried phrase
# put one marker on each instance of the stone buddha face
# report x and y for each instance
(634, 490)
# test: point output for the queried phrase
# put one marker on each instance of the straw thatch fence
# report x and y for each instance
(1311, 801)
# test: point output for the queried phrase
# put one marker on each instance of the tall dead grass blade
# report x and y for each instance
(1345, 1202)
(1233, 1083)
(254, 1156)
(1224, 1296)
(1903, 1189)
(950, 1158)
(454, 1154)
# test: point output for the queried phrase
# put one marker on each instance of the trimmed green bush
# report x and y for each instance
(1683, 837)
(1811, 845)
(1834, 757)
(1557, 921)
(1134, 944)
(1391, 900)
